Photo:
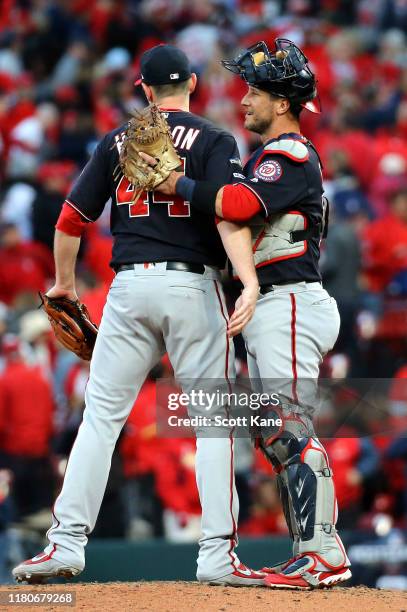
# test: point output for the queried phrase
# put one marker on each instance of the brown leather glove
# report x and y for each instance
(147, 131)
(71, 324)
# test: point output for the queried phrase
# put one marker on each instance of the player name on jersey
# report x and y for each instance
(182, 137)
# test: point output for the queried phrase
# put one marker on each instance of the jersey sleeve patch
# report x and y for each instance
(293, 149)
(269, 171)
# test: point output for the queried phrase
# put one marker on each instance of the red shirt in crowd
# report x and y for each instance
(171, 460)
(95, 300)
(175, 476)
(357, 144)
(98, 254)
(343, 455)
(26, 410)
(25, 267)
(263, 521)
(140, 448)
(385, 250)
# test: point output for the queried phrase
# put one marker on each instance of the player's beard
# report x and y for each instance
(257, 125)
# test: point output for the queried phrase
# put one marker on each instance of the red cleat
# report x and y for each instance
(301, 574)
(279, 567)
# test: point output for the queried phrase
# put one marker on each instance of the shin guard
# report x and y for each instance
(308, 495)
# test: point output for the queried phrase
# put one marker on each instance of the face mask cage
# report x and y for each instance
(257, 65)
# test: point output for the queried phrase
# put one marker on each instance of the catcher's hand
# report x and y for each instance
(71, 323)
(149, 132)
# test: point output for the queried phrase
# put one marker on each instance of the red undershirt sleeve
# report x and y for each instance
(239, 203)
(70, 221)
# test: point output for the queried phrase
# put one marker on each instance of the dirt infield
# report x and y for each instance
(189, 596)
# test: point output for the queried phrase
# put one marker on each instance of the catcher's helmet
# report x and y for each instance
(284, 73)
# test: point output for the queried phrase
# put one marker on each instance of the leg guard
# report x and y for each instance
(308, 497)
(287, 508)
(295, 424)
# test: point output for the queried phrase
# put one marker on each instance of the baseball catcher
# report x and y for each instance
(149, 132)
(279, 194)
(72, 324)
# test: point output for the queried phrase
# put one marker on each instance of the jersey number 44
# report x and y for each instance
(175, 205)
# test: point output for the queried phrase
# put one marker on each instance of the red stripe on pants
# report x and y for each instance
(293, 346)
(234, 528)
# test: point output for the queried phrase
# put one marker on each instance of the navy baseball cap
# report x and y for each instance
(163, 65)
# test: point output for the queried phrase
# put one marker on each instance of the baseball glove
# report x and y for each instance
(71, 324)
(149, 132)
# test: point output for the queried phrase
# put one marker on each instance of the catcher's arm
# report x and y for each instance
(237, 241)
(177, 183)
(235, 202)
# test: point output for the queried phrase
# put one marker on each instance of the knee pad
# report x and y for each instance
(295, 423)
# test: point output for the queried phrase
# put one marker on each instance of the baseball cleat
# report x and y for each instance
(301, 574)
(279, 567)
(38, 569)
(242, 576)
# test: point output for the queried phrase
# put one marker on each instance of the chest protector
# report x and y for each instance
(282, 236)
(274, 239)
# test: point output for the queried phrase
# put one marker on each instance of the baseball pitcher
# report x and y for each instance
(166, 296)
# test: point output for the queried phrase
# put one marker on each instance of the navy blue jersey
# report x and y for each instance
(283, 183)
(159, 227)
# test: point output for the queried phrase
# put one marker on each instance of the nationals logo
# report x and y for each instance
(270, 171)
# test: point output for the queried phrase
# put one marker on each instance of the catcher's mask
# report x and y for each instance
(284, 73)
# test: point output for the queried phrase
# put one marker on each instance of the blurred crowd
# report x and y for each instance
(67, 69)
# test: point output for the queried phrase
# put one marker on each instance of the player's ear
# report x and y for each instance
(192, 83)
(148, 92)
(283, 106)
